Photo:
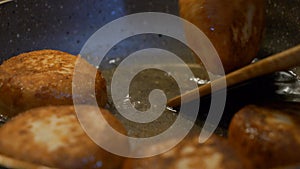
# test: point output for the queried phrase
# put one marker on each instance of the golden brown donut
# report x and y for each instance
(52, 136)
(216, 153)
(42, 78)
(266, 136)
(235, 28)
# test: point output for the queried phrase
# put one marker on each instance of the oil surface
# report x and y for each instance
(141, 85)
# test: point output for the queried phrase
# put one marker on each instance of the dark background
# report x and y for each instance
(27, 25)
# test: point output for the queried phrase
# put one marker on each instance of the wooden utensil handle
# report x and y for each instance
(281, 61)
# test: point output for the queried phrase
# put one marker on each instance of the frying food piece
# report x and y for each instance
(52, 136)
(42, 78)
(235, 28)
(297, 166)
(189, 154)
(11, 163)
(267, 137)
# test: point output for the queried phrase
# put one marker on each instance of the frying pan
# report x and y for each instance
(27, 25)
(66, 25)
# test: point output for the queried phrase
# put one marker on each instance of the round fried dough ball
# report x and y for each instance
(235, 28)
(52, 136)
(42, 78)
(216, 153)
(267, 136)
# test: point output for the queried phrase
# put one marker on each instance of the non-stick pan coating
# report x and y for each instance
(37, 24)
(27, 25)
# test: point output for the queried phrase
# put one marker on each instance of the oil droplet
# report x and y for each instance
(171, 109)
(113, 61)
(199, 81)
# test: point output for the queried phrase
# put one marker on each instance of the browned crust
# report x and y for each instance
(9, 162)
(216, 153)
(76, 149)
(267, 137)
(229, 20)
(42, 78)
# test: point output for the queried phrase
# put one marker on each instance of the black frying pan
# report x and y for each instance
(27, 25)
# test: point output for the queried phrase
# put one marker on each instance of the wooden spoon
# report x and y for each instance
(281, 61)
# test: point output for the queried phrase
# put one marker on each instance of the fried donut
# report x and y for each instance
(235, 28)
(42, 78)
(53, 137)
(267, 136)
(216, 153)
